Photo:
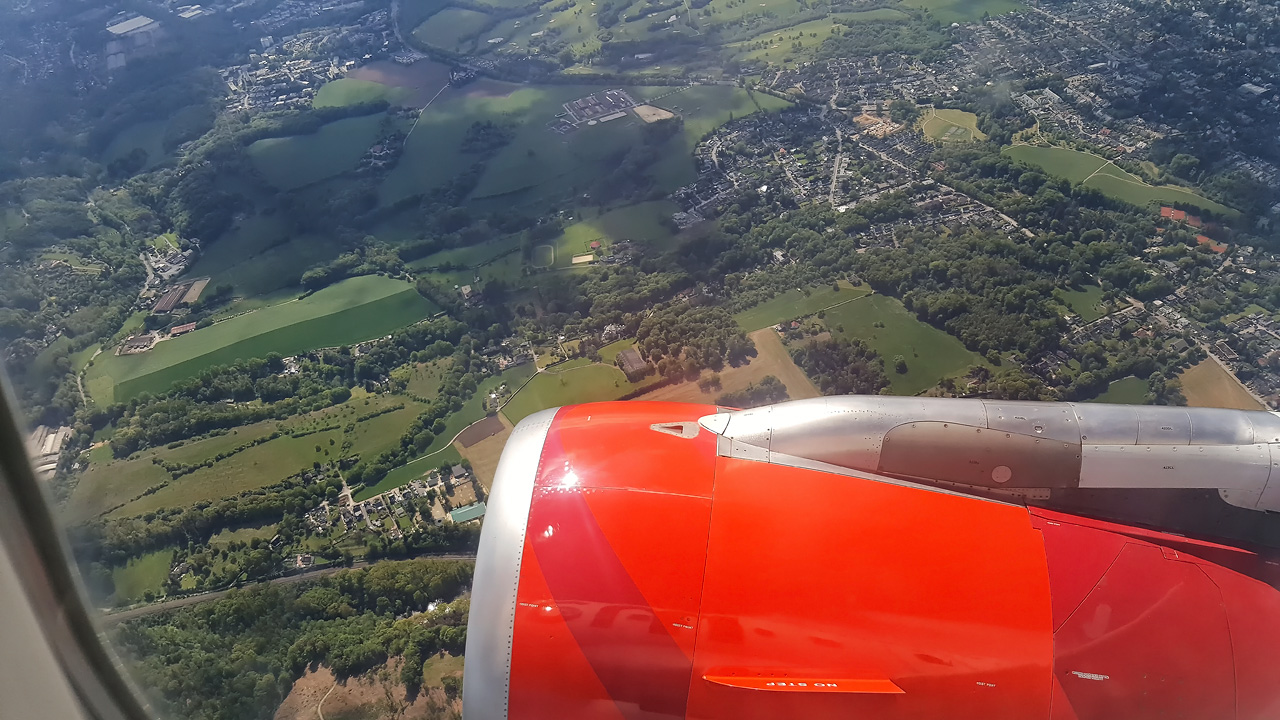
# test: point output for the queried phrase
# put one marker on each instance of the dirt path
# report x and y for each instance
(320, 705)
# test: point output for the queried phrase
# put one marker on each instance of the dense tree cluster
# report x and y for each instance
(839, 366)
(987, 290)
(237, 657)
(766, 392)
(685, 338)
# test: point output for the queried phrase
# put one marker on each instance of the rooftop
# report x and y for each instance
(467, 513)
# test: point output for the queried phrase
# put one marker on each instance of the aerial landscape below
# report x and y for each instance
(279, 278)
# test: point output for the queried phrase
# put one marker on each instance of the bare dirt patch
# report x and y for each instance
(772, 358)
(1207, 384)
(649, 113)
(485, 453)
(487, 427)
(378, 694)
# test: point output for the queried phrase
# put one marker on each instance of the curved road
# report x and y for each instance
(135, 612)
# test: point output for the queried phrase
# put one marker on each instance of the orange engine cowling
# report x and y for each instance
(634, 565)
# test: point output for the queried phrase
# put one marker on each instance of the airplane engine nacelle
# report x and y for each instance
(652, 560)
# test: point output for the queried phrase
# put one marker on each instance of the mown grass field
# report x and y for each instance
(351, 91)
(1099, 173)
(141, 574)
(963, 11)
(351, 311)
(950, 126)
(642, 223)
(452, 28)
(795, 303)
(1084, 301)
(590, 383)
(1125, 391)
(298, 160)
(1207, 384)
(931, 354)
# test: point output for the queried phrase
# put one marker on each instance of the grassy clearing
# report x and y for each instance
(109, 483)
(796, 303)
(964, 11)
(647, 222)
(1125, 391)
(931, 354)
(544, 256)
(538, 164)
(141, 574)
(452, 28)
(411, 471)
(609, 353)
(877, 15)
(425, 378)
(787, 44)
(440, 449)
(350, 91)
(292, 162)
(950, 126)
(1208, 384)
(351, 311)
(244, 535)
(105, 486)
(591, 383)
(724, 11)
(260, 256)
(1085, 302)
(273, 461)
(1098, 173)
(145, 136)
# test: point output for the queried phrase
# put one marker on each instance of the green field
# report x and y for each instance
(779, 46)
(590, 383)
(351, 311)
(877, 15)
(794, 303)
(244, 535)
(146, 136)
(645, 222)
(539, 164)
(963, 11)
(1125, 391)
(141, 574)
(261, 257)
(1085, 302)
(350, 91)
(452, 28)
(1101, 174)
(298, 160)
(544, 256)
(441, 449)
(931, 354)
(425, 378)
(950, 126)
(270, 462)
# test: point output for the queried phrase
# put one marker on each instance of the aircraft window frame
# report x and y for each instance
(47, 576)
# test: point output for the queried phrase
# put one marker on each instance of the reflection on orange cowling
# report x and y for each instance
(660, 580)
